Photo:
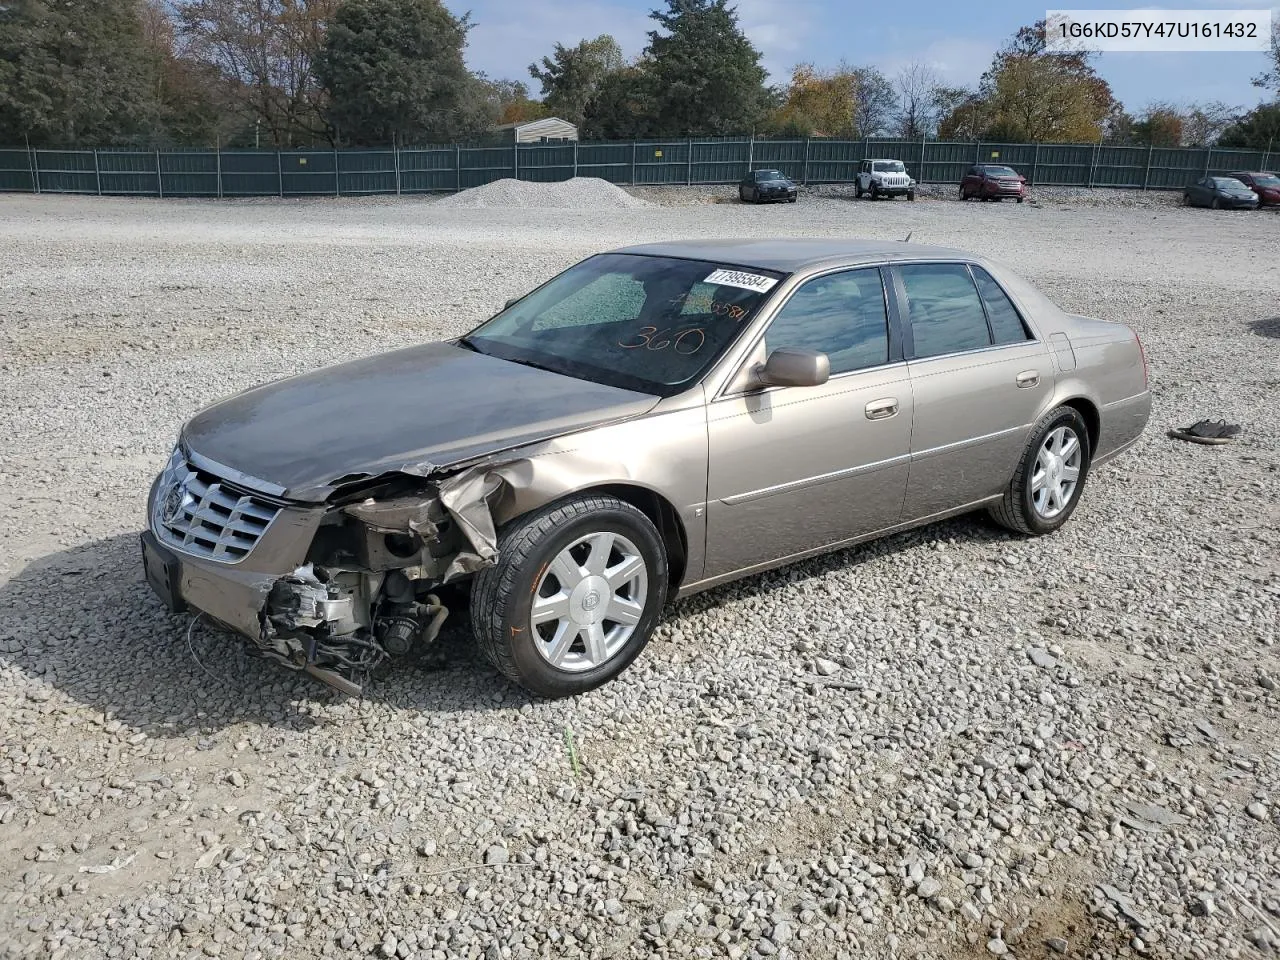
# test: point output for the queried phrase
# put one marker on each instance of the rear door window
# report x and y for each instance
(1007, 325)
(944, 309)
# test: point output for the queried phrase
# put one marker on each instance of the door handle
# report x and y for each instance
(882, 409)
(1028, 378)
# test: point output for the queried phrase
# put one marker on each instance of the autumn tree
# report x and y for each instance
(571, 75)
(820, 102)
(1159, 125)
(1030, 94)
(265, 52)
(510, 102)
(393, 70)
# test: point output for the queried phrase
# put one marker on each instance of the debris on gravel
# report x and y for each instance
(579, 193)
(945, 744)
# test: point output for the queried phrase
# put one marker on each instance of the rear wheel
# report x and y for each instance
(1050, 476)
(574, 596)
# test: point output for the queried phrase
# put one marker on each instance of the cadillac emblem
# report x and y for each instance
(173, 502)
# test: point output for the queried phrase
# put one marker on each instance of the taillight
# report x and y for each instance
(1142, 352)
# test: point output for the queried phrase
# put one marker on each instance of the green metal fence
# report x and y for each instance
(443, 169)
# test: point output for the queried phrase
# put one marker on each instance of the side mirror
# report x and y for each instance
(794, 368)
(512, 302)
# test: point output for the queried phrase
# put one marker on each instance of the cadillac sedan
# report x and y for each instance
(647, 424)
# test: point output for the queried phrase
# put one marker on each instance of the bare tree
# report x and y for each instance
(1203, 123)
(877, 100)
(917, 101)
(265, 49)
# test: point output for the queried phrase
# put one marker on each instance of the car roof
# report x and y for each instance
(787, 255)
(1251, 173)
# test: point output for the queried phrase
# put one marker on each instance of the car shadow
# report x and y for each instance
(1268, 327)
(83, 621)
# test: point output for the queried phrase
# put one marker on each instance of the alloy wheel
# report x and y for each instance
(1057, 472)
(588, 601)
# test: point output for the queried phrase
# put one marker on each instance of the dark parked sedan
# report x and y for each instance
(1220, 193)
(993, 181)
(766, 186)
(1265, 185)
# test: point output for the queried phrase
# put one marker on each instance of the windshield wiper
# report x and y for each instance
(535, 365)
(468, 344)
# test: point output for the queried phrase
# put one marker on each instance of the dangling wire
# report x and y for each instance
(191, 647)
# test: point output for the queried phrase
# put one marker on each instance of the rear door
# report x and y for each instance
(979, 378)
(794, 469)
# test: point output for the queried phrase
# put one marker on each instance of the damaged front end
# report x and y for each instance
(365, 595)
(337, 589)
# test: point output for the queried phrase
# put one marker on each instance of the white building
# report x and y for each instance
(538, 131)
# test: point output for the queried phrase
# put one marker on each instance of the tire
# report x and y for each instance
(1020, 199)
(1215, 204)
(742, 194)
(792, 199)
(875, 192)
(857, 190)
(911, 195)
(964, 195)
(1018, 511)
(502, 596)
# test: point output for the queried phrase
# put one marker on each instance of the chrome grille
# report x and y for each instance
(202, 515)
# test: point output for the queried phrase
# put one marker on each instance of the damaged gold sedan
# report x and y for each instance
(649, 423)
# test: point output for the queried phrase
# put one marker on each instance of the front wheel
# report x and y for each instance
(911, 195)
(1215, 204)
(875, 192)
(1046, 486)
(574, 596)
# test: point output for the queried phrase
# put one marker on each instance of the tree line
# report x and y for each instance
(292, 73)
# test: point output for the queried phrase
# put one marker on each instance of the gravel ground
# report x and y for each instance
(953, 743)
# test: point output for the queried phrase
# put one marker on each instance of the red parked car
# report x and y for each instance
(1265, 185)
(993, 181)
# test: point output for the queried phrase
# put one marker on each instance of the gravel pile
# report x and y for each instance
(950, 744)
(579, 193)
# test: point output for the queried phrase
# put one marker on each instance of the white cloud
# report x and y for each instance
(511, 34)
(780, 30)
(958, 61)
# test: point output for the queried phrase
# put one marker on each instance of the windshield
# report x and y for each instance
(769, 175)
(889, 166)
(1267, 180)
(1000, 172)
(1228, 183)
(653, 324)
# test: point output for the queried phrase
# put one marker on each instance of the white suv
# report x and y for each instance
(884, 178)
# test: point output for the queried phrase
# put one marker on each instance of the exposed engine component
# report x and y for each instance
(341, 626)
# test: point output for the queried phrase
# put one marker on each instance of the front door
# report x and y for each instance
(979, 380)
(794, 469)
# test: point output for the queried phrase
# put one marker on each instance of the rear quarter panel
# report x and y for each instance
(1102, 366)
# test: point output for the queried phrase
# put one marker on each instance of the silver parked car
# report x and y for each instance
(651, 422)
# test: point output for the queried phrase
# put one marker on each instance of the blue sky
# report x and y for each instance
(509, 34)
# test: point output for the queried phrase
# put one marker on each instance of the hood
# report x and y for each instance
(416, 409)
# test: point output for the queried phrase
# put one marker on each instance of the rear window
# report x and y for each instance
(945, 312)
(1006, 323)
